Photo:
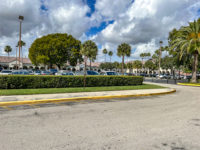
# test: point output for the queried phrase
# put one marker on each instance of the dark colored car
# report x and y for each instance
(20, 72)
(89, 72)
(53, 71)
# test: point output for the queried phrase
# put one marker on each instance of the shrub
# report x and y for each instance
(32, 82)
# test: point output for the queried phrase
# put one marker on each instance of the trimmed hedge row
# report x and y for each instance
(32, 82)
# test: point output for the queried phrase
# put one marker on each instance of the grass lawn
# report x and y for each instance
(75, 90)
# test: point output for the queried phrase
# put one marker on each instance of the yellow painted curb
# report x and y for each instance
(28, 102)
(185, 84)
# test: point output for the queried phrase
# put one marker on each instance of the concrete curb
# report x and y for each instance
(185, 84)
(31, 102)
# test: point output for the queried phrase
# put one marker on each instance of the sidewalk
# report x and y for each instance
(90, 95)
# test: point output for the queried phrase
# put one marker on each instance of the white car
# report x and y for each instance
(160, 76)
(6, 72)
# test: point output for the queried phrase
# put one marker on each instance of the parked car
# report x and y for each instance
(130, 74)
(46, 73)
(37, 72)
(109, 73)
(122, 74)
(20, 72)
(30, 72)
(143, 74)
(68, 74)
(6, 72)
(64, 72)
(88, 72)
(167, 76)
(153, 75)
(161, 76)
(53, 71)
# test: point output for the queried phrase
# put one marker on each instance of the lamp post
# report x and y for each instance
(160, 55)
(16, 56)
(21, 18)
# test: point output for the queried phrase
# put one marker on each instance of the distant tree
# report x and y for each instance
(8, 49)
(107, 66)
(89, 49)
(150, 65)
(110, 53)
(55, 49)
(137, 65)
(130, 65)
(143, 56)
(105, 52)
(116, 65)
(123, 50)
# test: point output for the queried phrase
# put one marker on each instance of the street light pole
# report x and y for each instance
(16, 57)
(160, 55)
(21, 18)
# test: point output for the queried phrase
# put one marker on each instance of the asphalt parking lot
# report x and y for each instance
(167, 122)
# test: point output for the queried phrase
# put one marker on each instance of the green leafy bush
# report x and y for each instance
(33, 82)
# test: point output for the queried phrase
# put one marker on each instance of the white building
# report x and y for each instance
(13, 63)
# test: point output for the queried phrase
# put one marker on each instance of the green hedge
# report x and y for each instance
(32, 82)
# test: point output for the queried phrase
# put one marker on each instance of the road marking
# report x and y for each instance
(6, 107)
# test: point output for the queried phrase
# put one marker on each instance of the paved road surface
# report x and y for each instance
(169, 122)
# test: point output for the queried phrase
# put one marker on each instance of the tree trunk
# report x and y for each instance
(195, 67)
(105, 57)
(22, 57)
(142, 65)
(85, 60)
(110, 58)
(123, 65)
(50, 66)
(90, 64)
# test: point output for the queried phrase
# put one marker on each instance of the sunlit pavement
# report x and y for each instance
(168, 122)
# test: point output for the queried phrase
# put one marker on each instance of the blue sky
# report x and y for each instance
(140, 23)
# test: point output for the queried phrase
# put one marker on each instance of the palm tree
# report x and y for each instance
(137, 65)
(110, 53)
(22, 44)
(123, 50)
(130, 66)
(187, 40)
(105, 52)
(8, 49)
(89, 49)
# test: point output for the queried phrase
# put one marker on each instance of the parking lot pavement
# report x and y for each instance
(168, 122)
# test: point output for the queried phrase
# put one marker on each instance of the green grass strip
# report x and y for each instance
(5, 92)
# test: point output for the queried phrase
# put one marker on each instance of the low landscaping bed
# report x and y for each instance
(34, 82)
(5, 92)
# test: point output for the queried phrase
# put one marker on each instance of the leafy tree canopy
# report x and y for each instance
(55, 49)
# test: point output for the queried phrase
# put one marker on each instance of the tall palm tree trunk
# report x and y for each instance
(122, 64)
(195, 67)
(85, 60)
(90, 64)
(22, 56)
(110, 58)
